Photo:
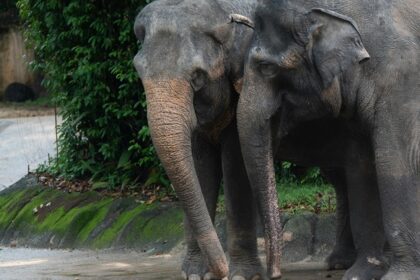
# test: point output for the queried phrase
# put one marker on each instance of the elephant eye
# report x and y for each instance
(140, 32)
(268, 69)
(198, 80)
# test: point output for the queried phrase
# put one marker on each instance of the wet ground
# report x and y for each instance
(33, 264)
(24, 142)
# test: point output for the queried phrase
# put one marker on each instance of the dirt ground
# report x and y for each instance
(9, 111)
(35, 264)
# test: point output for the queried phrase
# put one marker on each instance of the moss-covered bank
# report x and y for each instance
(36, 216)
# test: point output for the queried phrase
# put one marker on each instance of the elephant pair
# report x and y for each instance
(315, 89)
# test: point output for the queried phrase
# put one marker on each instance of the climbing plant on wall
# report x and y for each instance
(85, 49)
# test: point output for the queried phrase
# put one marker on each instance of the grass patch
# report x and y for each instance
(295, 197)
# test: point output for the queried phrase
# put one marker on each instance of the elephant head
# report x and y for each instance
(188, 79)
(292, 73)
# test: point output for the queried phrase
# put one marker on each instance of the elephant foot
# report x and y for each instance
(341, 258)
(246, 269)
(367, 268)
(195, 268)
(399, 274)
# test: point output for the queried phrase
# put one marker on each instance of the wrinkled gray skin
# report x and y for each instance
(342, 77)
(190, 62)
(183, 46)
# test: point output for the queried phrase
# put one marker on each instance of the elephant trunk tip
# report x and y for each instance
(275, 275)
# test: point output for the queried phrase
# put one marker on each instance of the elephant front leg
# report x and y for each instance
(343, 255)
(241, 213)
(398, 168)
(208, 166)
(365, 214)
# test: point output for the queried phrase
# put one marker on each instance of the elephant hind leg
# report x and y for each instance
(344, 253)
(365, 213)
(397, 163)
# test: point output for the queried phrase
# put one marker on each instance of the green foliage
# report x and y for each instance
(286, 173)
(298, 197)
(85, 49)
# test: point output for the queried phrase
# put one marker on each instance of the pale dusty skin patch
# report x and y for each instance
(290, 60)
(374, 261)
(238, 85)
(332, 96)
(287, 236)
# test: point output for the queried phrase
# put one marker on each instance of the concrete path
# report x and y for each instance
(24, 142)
(48, 264)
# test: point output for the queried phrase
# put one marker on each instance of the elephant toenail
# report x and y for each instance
(238, 277)
(210, 276)
(184, 275)
(194, 277)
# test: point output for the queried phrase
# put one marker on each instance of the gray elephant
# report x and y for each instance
(190, 61)
(194, 50)
(343, 76)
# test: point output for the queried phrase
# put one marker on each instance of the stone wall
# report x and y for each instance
(36, 216)
(14, 61)
(14, 56)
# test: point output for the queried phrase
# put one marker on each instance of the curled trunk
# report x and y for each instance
(171, 120)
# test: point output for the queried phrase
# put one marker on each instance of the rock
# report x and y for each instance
(324, 236)
(17, 92)
(298, 237)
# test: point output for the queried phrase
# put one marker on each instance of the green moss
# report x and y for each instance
(11, 204)
(168, 224)
(93, 223)
(109, 235)
(87, 219)
(5, 207)
(51, 219)
(25, 217)
(78, 215)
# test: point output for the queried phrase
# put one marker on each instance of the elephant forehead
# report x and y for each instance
(177, 15)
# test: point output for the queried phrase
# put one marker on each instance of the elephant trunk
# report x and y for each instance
(256, 144)
(171, 120)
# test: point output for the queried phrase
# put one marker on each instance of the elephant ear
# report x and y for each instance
(335, 44)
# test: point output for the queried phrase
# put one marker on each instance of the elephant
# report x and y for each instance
(191, 64)
(340, 79)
